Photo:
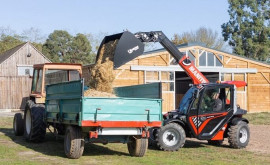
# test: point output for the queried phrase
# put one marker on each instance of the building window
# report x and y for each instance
(208, 59)
(166, 78)
(202, 59)
(25, 70)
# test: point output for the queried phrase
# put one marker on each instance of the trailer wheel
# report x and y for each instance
(238, 135)
(18, 124)
(73, 142)
(34, 125)
(215, 142)
(171, 137)
(137, 146)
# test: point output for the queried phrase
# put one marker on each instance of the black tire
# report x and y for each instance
(73, 142)
(34, 125)
(215, 142)
(171, 137)
(152, 140)
(238, 135)
(18, 124)
(137, 146)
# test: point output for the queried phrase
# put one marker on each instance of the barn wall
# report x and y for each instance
(13, 88)
(14, 92)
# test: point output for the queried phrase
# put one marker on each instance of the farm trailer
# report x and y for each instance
(91, 119)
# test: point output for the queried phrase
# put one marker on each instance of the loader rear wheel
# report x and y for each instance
(171, 137)
(34, 125)
(18, 123)
(215, 142)
(137, 146)
(238, 135)
(73, 142)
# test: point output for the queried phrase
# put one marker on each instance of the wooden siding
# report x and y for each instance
(255, 99)
(15, 89)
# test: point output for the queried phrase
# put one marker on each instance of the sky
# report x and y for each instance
(113, 16)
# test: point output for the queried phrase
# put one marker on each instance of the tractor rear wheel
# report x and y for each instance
(34, 125)
(171, 137)
(73, 142)
(238, 135)
(18, 124)
(137, 146)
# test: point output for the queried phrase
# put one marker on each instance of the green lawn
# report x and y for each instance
(258, 118)
(15, 150)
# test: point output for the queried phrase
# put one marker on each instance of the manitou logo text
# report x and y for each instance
(197, 74)
(133, 49)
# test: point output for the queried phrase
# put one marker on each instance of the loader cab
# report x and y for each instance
(51, 73)
(207, 108)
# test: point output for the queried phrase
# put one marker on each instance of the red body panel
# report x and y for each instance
(236, 83)
(204, 123)
(220, 134)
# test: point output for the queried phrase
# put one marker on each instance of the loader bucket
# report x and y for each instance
(122, 47)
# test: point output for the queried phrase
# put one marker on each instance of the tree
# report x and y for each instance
(80, 50)
(57, 46)
(248, 30)
(203, 35)
(9, 42)
(63, 47)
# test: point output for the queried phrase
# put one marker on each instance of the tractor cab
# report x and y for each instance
(205, 109)
(51, 73)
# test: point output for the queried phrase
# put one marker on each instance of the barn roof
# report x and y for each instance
(190, 44)
(5, 55)
(10, 52)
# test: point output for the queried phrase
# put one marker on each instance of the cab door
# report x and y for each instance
(209, 121)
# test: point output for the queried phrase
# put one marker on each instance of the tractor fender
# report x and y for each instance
(180, 122)
(236, 120)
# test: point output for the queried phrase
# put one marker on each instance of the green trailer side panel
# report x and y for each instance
(65, 104)
(121, 109)
(152, 90)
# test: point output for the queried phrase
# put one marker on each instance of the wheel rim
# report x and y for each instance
(28, 122)
(170, 137)
(243, 135)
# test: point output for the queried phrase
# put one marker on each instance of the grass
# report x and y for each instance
(15, 150)
(258, 118)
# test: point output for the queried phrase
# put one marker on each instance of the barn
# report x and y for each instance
(159, 66)
(16, 67)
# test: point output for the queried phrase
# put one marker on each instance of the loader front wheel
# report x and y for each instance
(137, 146)
(238, 135)
(73, 142)
(171, 137)
(34, 125)
(18, 124)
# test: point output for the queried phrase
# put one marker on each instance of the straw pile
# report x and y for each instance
(102, 73)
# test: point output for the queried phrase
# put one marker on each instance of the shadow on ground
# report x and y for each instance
(190, 143)
(53, 147)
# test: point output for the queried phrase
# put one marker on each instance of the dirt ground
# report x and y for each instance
(259, 138)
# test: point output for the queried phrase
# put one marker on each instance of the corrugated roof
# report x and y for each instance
(202, 45)
(10, 52)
